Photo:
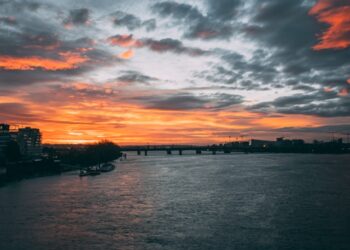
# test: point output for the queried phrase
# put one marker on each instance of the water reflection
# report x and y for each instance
(185, 202)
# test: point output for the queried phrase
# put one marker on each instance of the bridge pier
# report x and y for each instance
(138, 152)
(168, 151)
(146, 152)
(198, 151)
(180, 151)
(214, 152)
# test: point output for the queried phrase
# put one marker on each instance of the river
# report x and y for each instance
(236, 201)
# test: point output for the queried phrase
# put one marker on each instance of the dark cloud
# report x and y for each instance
(64, 93)
(48, 46)
(40, 51)
(78, 17)
(132, 76)
(150, 24)
(187, 101)
(132, 22)
(13, 79)
(124, 19)
(18, 6)
(197, 26)
(160, 46)
(340, 129)
(8, 20)
(222, 100)
(275, 28)
(40, 41)
(305, 88)
(296, 69)
(284, 34)
(287, 29)
(14, 111)
(223, 9)
(324, 104)
(33, 6)
(172, 45)
(177, 10)
(174, 102)
(240, 73)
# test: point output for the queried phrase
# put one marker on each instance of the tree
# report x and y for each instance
(102, 152)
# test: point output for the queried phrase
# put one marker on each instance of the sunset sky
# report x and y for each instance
(171, 72)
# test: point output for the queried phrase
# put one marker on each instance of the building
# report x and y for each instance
(281, 142)
(5, 137)
(261, 143)
(29, 141)
(298, 142)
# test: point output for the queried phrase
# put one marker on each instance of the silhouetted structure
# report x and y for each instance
(20, 154)
(29, 141)
(101, 152)
(5, 137)
(260, 143)
(281, 145)
(84, 154)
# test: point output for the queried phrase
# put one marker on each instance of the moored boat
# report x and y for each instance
(83, 172)
(107, 167)
(89, 172)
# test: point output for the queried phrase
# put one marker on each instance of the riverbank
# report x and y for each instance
(58, 160)
(32, 169)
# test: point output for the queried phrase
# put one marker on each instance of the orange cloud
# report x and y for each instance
(80, 112)
(287, 121)
(327, 89)
(126, 54)
(343, 92)
(72, 117)
(337, 16)
(69, 60)
(125, 41)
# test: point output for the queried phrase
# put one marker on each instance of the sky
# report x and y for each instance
(176, 72)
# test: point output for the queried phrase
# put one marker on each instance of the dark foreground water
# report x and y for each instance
(253, 201)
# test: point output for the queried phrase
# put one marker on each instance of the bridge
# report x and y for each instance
(179, 149)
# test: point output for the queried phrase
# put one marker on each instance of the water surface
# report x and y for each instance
(238, 201)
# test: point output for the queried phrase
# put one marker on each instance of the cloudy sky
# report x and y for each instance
(155, 71)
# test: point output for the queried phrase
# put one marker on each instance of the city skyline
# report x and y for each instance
(332, 136)
(176, 72)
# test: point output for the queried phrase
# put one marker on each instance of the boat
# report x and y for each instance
(107, 167)
(94, 172)
(83, 172)
(89, 172)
